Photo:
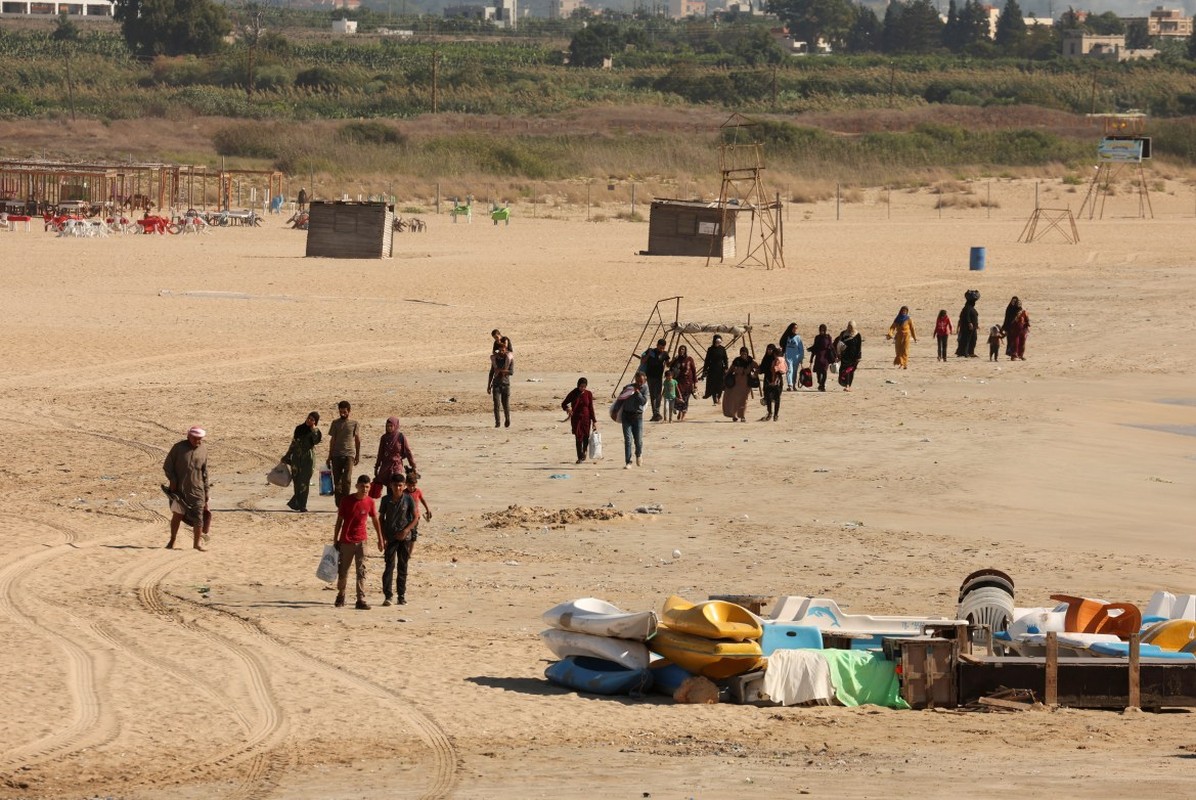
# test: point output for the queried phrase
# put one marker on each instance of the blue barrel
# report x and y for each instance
(976, 263)
(325, 481)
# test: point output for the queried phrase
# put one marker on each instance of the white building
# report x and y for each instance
(40, 8)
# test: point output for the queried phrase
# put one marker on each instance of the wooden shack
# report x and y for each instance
(339, 229)
(691, 228)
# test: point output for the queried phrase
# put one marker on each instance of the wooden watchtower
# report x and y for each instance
(741, 160)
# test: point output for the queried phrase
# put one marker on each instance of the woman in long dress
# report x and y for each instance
(392, 449)
(902, 333)
(714, 370)
(579, 405)
(1011, 311)
(1019, 329)
(302, 459)
(686, 375)
(794, 350)
(822, 355)
(850, 347)
(773, 369)
(735, 396)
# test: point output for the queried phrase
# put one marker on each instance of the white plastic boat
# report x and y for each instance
(600, 618)
(824, 613)
(632, 655)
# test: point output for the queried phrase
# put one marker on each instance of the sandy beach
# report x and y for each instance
(131, 671)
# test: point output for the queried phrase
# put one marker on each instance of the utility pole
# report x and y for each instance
(435, 80)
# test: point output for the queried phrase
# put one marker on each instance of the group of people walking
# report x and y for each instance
(395, 481)
(1013, 330)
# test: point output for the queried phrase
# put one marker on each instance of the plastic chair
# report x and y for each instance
(1123, 625)
(1080, 612)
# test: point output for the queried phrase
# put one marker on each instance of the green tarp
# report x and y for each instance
(862, 677)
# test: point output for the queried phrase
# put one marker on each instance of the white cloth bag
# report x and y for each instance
(595, 445)
(328, 564)
(280, 475)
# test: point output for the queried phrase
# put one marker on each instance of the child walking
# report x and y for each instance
(669, 392)
(942, 332)
(994, 343)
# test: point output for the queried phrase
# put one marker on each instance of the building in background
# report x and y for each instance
(1165, 22)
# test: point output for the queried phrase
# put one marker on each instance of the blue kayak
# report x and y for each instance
(598, 676)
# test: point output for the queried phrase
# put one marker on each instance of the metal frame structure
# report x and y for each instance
(675, 330)
(741, 165)
(1054, 219)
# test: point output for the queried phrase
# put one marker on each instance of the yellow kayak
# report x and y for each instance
(1171, 634)
(714, 619)
(708, 657)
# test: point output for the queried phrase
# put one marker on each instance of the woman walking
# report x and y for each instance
(850, 347)
(794, 351)
(1011, 312)
(773, 369)
(579, 404)
(942, 332)
(968, 328)
(902, 333)
(392, 449)
(714, 370)
(735, 397)
(301, 458)
(822, 355)
(1019, 329)
(686, 374)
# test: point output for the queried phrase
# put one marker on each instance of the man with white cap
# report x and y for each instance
(186, 468)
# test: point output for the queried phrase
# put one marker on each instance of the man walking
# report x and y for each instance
(502, 365)
(349, 536)
(344, 451)
(399, 518)
(186, 468)
(653, 363)
(631, 415)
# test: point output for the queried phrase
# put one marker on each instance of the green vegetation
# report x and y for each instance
(273, 81)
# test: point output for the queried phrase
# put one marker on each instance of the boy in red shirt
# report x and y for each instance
(349, 536)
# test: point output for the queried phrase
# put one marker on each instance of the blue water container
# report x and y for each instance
(976, 263)
(325, 481)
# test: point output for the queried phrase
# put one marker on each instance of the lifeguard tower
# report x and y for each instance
(741, 161)
(1124, 143)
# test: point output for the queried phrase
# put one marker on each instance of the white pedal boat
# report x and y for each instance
(600, 618)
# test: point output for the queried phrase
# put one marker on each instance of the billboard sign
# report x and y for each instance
(1119, 151)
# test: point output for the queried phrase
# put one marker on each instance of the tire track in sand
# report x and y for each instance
(92, 723)
(265, 733)
(444, 754)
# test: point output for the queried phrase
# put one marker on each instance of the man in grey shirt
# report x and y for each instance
(344, 451)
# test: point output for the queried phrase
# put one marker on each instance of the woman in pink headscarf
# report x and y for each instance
(392, 449)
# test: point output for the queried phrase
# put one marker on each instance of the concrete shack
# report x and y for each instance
(340, 229)
(691, 228)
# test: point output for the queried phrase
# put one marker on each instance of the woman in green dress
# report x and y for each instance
(301, 458)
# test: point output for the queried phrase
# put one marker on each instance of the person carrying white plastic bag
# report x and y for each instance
(328, 564)
(595, 446)
(579, 404)
(280, 475)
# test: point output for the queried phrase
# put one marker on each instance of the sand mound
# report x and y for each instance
(516, 516)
